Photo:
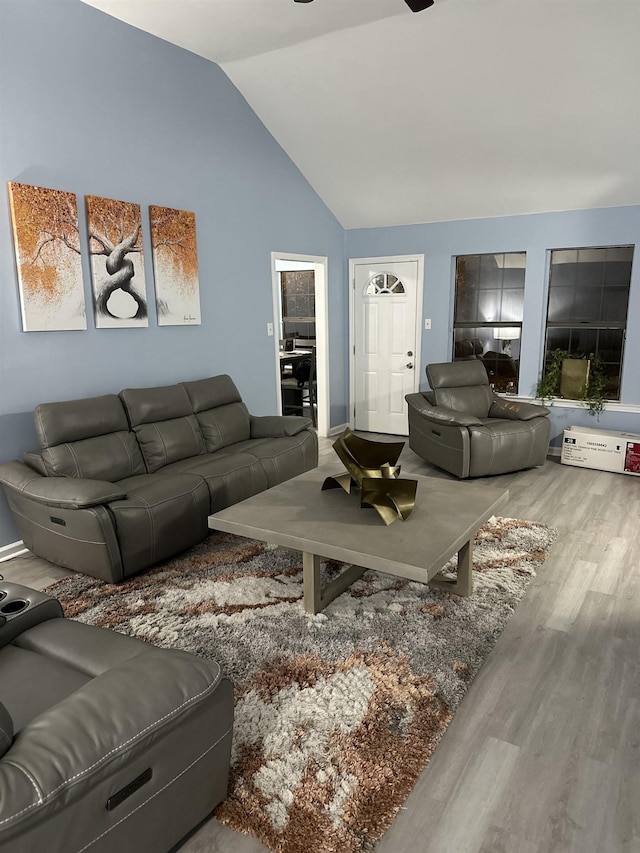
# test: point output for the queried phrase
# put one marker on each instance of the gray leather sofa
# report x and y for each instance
(106, 743)
(462, 426)
(123, 481)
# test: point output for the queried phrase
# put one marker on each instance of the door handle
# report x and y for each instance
(410, 366)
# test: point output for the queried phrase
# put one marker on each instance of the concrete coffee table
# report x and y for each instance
(331, 525)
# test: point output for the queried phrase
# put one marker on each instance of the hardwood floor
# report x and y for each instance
(543, 754)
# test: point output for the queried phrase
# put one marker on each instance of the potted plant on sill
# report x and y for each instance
(592, 392)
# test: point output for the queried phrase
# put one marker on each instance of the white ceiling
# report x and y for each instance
(470, 108)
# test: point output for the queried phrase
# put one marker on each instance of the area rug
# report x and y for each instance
(336, 714)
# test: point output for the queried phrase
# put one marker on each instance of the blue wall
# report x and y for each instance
(96, 107)
(93, 106)
(536, 234)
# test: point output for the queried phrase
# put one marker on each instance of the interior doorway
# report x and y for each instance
(302, 316)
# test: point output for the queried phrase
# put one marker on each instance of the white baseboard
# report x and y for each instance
(336, 430)
(14, 549)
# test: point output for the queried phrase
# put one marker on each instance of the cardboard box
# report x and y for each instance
(602, 449)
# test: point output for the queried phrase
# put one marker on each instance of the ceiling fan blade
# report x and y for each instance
(414, 5)
(419, 5)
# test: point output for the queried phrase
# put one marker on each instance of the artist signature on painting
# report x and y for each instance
(189, 319)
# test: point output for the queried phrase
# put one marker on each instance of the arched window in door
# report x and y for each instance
(384, 283)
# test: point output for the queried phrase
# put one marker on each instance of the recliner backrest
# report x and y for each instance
(88, 438)
(223, 417)
(165, 426)
(462, 386)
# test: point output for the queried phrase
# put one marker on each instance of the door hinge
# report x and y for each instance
(354, 349)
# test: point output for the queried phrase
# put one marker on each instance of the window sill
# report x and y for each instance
(560, 403)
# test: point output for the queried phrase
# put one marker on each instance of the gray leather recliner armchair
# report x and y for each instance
(106, 743)
(462, 426)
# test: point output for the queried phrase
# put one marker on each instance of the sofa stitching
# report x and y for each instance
(42, 429)
(34, 784)
(164, 446)
(159, 791)
(196, 434)
(127, 450)
(73, 455)
(147, 503)
(153, 535)
(120, 747)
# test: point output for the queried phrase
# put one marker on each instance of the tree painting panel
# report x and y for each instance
(47, 246)
(175, 265)
(117, 266)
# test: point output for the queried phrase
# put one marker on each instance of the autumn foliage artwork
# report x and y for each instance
(175, 266)
(117, 266)
(47, 245)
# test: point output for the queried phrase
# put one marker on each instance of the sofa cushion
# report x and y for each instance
(169, 441)
(222, 415)
(87, 438)
(230, 476)
(106, 457)
(73, 420)
(277, 426)
(212, 392)
(284, 457)
(164, 424)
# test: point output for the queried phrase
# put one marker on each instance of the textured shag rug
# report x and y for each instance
(336, 714)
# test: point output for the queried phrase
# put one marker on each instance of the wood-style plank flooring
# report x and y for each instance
(543, 756)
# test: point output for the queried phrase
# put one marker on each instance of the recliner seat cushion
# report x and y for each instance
(160, 516)
(230, 476)
(283, 457)
(31, 683)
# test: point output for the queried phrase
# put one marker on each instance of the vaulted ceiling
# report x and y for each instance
(471, 108)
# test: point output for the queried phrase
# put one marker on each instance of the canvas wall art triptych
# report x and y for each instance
(48, 249)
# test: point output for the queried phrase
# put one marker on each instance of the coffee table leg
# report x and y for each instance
(463, 584)
(316, 598)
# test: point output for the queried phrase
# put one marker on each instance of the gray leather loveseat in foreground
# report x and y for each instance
(124, 481)
(107, 744)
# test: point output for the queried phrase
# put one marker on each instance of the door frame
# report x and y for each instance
(321, 279)
(387, 259)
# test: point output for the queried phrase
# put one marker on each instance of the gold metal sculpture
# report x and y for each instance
(371, 467)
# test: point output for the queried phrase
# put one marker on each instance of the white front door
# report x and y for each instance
(385, 361)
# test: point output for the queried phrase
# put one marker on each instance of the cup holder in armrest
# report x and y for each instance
(15, 605)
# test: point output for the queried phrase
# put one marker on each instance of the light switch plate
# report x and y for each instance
(270, 329)
(427, 323)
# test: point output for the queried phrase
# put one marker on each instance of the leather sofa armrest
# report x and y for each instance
(515, 410)
(277, 426)
(63, 492)
(76, 743)
(440, 414)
